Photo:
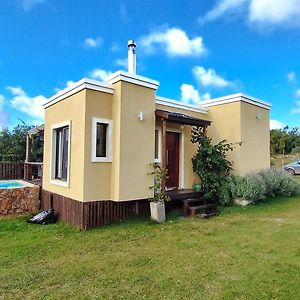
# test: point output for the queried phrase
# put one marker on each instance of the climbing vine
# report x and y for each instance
(211, 165)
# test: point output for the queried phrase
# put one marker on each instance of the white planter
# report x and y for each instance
(157, 210)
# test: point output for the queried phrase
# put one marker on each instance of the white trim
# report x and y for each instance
(235, 98)
(84, 83)
(53, 180)
(177, 104)
(109, 138)
(181, 157)
(132, 78)
(158, 160)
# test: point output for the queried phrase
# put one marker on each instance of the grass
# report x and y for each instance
(244, 253)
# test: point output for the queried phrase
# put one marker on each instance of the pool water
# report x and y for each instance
(7, 184)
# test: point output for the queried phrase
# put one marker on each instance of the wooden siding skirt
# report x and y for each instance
(91, 214)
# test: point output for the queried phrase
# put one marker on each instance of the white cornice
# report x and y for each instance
(235, 98)
(84, 83)
(176, 104)
(133, 78)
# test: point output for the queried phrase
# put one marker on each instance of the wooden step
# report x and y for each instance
(192, 200)
(194, 209)
(187, 202)
(207, 215)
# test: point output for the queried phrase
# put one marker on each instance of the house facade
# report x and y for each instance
(101, 137)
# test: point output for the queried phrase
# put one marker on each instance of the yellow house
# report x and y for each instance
(100, 138)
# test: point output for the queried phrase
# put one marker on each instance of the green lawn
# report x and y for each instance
(245, 253)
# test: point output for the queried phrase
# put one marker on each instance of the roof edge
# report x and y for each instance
(84, 83)
(177, 104)
(132, 78)
(234, 98)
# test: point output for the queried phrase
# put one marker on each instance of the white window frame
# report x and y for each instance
(53, 180)
(158, 160)
(108, 157)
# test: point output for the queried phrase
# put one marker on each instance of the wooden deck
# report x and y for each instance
(182, 194)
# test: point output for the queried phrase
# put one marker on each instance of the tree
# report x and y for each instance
(13, 144)
(283, 141)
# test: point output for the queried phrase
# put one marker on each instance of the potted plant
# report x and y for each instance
(157, 202)
(197, 186)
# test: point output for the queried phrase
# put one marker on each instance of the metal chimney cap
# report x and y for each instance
(131, 43)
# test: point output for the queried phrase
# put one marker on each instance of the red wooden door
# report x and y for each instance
(172, 161)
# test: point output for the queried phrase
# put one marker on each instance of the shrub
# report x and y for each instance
(159, 174)
(279, 183)
(225, 196)
(264, 184)
(250, 187)
(211, 165)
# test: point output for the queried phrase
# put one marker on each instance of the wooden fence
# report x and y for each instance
(11, 170)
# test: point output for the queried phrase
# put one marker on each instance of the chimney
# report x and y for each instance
(131, 57)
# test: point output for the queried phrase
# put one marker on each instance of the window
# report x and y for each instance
(101, 137)
(157, 149)
(60, 154)
(101, 140)
(61, 157)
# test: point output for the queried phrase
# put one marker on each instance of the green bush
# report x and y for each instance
(225, 196)
(251, 187)
(211, 165)
(279, 183)
(264, 184)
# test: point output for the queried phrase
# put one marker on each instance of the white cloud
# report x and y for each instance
(32, 106)
(209, 77)
(27, 5)
(275, 124)
(92, 43)
(291, 76)
(122, 62)
(68, 84)
(3, 114)
(190, 95)
(221, 8)
(174, 41)
(258, 12)
(99, 74)
(274, 11)
(297, 109)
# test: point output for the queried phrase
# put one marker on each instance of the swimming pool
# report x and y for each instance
(18, 196)
(11, 184)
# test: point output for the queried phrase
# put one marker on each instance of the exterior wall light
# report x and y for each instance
(141, 115)
(258, 116)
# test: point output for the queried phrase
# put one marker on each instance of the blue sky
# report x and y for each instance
(196, 49)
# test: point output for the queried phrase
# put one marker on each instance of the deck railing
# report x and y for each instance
(11, 170)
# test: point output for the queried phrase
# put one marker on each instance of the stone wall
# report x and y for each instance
(19, 200)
